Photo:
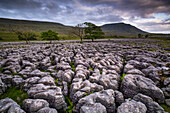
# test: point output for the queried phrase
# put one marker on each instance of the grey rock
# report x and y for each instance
(167, 101)
(132, 107)
(96, 108)
(52, 94)
(135, 63)
(7, 79)
(38, 73)
(84, 86)
(152, 73)
(66, 75)
(105, 97)
(65, 88)
(7, 105)
(47, 80)
(47, 110)
(45, 63)
(108, 82)
(135, 71)
(30, 82)
(33, 105)
(119, 98)
(15, 109)
(26, 71)
(134, 84)
(3, 87)
(27, 64)
(167, 81)
(128, 67)
(152, 106)
(17, 81)
(166, 70)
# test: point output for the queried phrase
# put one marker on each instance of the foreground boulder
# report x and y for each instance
(7, 105)
(134, 84)
(152, 106)
(131, 106)
(3, 87)
(52, 94)
(33, 105)
(94, 108)
(47, 110)
(106, 98)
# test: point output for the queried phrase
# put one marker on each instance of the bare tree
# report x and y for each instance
(78, 30)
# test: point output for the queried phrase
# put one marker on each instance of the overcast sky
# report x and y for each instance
(148, 15)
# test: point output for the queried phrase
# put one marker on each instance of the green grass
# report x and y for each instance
(69, 105)
(7, 36)
(16, 94)
(73, 66)
(166, 107)
(101, 72)
(1, 69)
(122, 76)
(56, 82)
(91, 68)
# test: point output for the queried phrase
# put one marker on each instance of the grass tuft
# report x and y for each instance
(73, 66)
(16, 94)
(69, 104)
(56, 82)
(121, 79)
(166, 107)
(91, 68)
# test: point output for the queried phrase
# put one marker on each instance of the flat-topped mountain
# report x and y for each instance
(121, 29)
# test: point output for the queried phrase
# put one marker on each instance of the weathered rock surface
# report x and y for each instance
(152, 106)
(33, 105)
(106, 98)
(52, 94)
(7, 105)
(134, 84)
(131, 106)
(87, 77)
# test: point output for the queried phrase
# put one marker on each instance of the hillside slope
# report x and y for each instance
(24, 25)
(121, 29)
(37, 26)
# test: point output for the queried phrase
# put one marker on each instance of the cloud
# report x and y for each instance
(72, 12)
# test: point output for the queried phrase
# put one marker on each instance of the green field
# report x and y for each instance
(112, 31)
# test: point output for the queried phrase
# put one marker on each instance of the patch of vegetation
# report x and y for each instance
(69, 105)
(1, 69)
(101, 72)
(166, 107)
(122, 76)
(153, 49)
(73, 66)
(81, 42)
(14, 74)
(1, 38)
(52, 62)
(91, 68)
(49, 35)
(56, 82)
(16, 94)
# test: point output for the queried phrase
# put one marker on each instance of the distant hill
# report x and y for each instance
(37, 26)
(121, 29)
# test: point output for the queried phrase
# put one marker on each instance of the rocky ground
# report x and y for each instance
(99, 77)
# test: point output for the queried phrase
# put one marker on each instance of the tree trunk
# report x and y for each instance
(92, 39)
(81, 39)
(26, 41)
(50, 41)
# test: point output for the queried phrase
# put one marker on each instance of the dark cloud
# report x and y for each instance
(142, 8)
(72, 12)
